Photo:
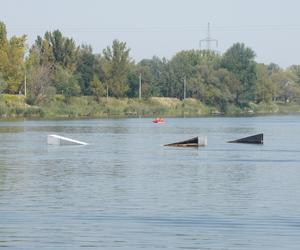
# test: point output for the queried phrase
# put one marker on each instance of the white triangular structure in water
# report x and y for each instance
(60, 140)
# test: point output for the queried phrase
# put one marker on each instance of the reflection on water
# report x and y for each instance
(125, 190)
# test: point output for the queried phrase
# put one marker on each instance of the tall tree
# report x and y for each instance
(39, 82)
(3, 49)
(66, 82)
(273, 68)
(55, 49)
(239, 60)
(183, 65)
(295, 69)
(59, 55)
(41, 53)
(286, 87)
(97, 88)
(151, 70)
(265, 87)
(85, 68)
(166, 79)
(3, 84)
(3, 35)
(115, 65)
(16, 63)
(12, 54)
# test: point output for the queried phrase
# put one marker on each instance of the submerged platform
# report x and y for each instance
(254, 139)
(193, 142)
(60, 140)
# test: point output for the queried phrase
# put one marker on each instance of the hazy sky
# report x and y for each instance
(163, 27)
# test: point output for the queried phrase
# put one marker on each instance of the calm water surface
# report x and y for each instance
(126, 191)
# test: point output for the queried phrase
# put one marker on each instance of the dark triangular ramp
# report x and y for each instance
(187, 143)
(254, 139)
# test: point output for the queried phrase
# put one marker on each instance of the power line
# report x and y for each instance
(237, 28)
(140, 86)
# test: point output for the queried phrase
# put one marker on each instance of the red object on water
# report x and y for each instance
(159, 120)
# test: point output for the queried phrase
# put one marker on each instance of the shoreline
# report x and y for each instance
(14, 107)
(116, 117)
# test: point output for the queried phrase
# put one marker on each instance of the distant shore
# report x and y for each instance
(14, 106)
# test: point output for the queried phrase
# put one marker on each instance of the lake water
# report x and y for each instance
(126, 191)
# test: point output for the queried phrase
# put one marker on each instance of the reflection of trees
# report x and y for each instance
(9, 172)
(10, 129)
(3, 172)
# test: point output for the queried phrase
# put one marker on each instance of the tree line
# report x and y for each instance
(55, 64)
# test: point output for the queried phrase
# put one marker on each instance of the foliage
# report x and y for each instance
(265, 87)
(115, 66)
(3, 84)
(239, 60)
(66, 83)
(295, 70)
(85, 69)
(97, 88)
(64, 50)
(39, 82)
(228, 83)
(12, 53)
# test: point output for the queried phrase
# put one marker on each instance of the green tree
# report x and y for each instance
(183, 65)
(59, 55)
(115, 66)
(3, 35)
(265, 88)
(66, 83)
(16, 63)
(295, 70)
(85, 69)
(167, 78)
(273, 68)
(3, 48)
(149, 86)
(54, 48)
(12, 54)
(41, 53)
(150, 69)
(97, 88)
(64, 49)
(287, 89)
(3, 84)
(225, 83)
(239, 60)
(133, 80)
(39, 83)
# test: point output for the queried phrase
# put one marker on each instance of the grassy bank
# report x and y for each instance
(14, 106)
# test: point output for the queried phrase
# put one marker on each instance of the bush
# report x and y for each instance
(30, 100)
(34, 112)
(3, 109)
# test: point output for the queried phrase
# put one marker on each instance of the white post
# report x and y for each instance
(106, 91)
(25, 85)
(184, 88)
(140, 86)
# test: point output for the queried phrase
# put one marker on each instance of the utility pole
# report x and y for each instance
(184, 87)
(25, 85)
(208, 40)
(140, 86)
(106, 91)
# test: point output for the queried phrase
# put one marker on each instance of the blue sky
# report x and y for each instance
(163, 27)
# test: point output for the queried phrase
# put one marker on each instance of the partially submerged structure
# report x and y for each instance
(254, 139)
(60, 140)
(193, 142)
